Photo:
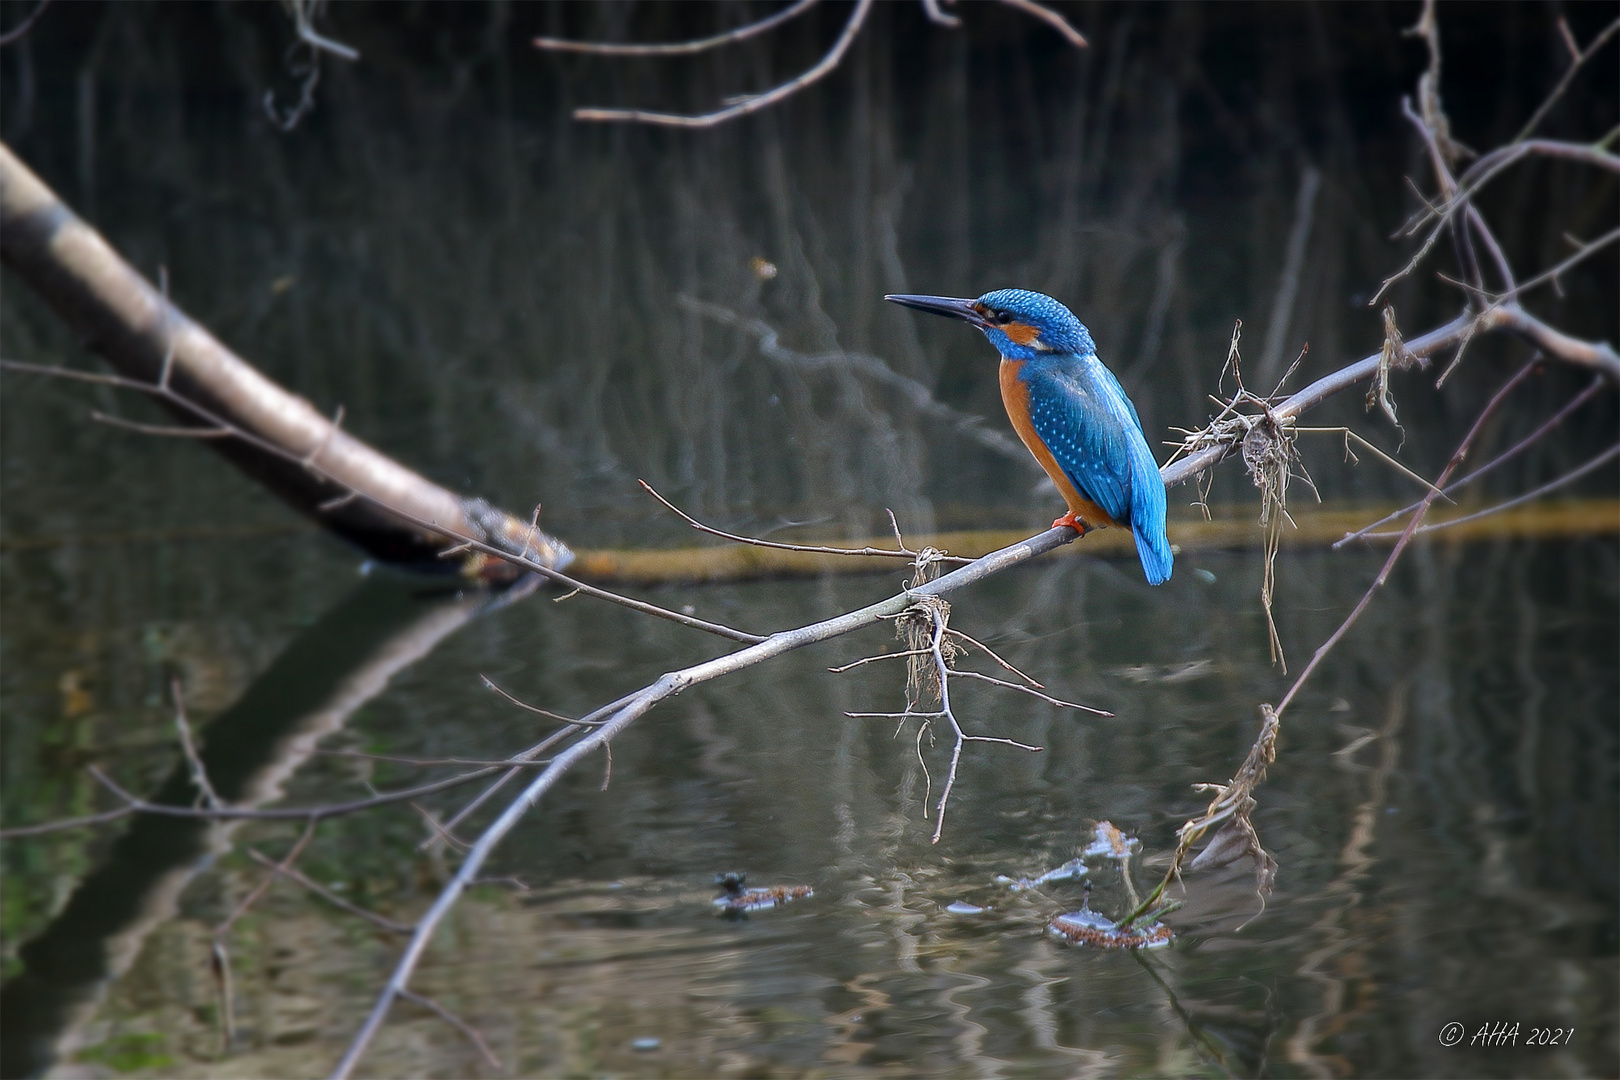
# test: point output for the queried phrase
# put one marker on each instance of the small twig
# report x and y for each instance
(199, 774)
(44, 828)
(440, 833)
(1513, 451)
(1578, 59)
(221, 953)
(292, 873)
(430, 763)
(676, 48)
(1552, 485)
(201, 412)
(456, 1022)
(303, 18)
(257, 891)
(1005, 742)
(16, 33)
(937, 16)
(872, 659)
(988, 651)
(547, 713)
(909, 714)
(1032, 692)
(814, 549)
(1581, 253)
(337, 502)
(1375, 451)
(750, 104)
(1406, 536)
(167, 431)
(1051, 18)
(135, 805)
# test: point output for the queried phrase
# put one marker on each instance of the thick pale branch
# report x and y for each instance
(136, 329)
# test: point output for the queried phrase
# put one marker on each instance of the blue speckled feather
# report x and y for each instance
(1083, 416)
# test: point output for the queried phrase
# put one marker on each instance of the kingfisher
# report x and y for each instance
(1071, 413)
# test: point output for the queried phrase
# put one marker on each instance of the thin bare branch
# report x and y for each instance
(167, 431)
(459, 541)
(1529, 496)
(258, 890)
(992, 654)
(1326, 647)
(937, 15)
(872, 659)
(1578, 59)
(433, 763)
(547, 713)
(199, 774)
(1005, 742)
(1050, 18)
(45, 828)
(1031, 691)
(472, 1034)
(751, 104)
(1580, 255)
(756, 542)
(18, 32)
(676, 48)
(1374, 450)
(293, 874)
(1517, 448)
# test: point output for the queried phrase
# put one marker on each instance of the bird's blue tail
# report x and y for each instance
(1147, 516)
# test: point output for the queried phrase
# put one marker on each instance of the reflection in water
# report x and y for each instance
(308, 693)
(614, 940)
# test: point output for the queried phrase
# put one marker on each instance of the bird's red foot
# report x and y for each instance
(1072, 522)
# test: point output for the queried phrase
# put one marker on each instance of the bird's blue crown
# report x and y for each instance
(1025, 325)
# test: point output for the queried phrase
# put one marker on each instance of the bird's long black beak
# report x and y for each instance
(950, 307)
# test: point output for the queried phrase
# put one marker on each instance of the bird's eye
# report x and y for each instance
(1004, 317)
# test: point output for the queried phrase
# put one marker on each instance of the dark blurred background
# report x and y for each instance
(437, 240)
(511, 301)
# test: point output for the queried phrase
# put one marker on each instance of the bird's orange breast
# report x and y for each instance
(1015, 396)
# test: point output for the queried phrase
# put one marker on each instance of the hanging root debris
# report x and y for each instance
(917, 626)
(1269, 453)
(1236, 837)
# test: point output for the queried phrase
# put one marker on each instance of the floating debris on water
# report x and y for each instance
(961, 907)
(1074, 868)
(734, 898)
(1111, 843)
(1087, 927)
(647, 1044)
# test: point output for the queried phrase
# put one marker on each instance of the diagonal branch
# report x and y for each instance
(135, 328)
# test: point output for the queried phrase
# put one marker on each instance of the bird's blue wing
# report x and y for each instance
(1088, 425)
(1083, 416)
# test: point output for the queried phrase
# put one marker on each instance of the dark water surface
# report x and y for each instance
(501, 298)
